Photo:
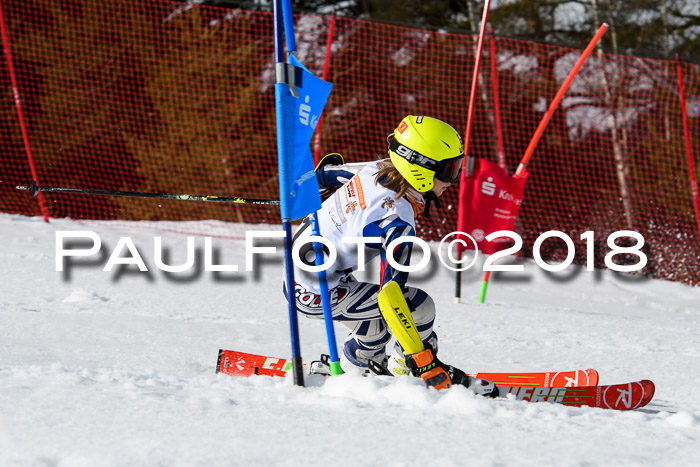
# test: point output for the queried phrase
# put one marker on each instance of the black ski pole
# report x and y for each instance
(35, 189)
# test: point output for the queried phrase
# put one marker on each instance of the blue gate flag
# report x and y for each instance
(299, 196)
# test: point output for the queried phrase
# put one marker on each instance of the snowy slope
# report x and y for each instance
(117, 368)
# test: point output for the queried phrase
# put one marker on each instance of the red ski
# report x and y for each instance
(235, 363)
(244, 364)
(575, 388)
(626, 396)
(547, 379)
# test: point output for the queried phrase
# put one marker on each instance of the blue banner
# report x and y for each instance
(301, 196)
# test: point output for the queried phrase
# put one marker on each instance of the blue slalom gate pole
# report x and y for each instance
(289, 26)
(285, 131)
(318, 249)
(326, 301)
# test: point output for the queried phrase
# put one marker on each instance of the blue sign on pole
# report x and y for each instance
(301, 196)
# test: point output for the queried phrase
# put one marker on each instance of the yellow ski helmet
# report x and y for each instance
(425, 148)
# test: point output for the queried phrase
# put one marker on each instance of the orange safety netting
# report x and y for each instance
(167, 97)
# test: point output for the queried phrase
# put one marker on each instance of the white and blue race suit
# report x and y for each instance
(362, 208)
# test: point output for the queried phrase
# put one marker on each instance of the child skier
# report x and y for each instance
(379, 203)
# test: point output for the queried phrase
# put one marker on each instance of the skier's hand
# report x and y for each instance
(440, 376)
(431, 370)
(328, 185)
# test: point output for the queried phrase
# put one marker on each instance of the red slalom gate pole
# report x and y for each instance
(557, 98)
(20, 113)
(467, 139)
(499, 139)
(472, 94)
(688, 145)
(324, 76)
(543, 124)
(496, 102)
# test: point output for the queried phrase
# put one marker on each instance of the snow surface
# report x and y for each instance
(118, 368)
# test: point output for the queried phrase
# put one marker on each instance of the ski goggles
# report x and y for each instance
(446, 170)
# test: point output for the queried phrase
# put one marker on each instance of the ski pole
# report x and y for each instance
(36, 189)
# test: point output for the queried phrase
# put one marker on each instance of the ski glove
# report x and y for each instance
(328, 183)
(431, 370)
(440, 376)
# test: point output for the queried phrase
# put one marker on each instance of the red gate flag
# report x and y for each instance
(492, 200)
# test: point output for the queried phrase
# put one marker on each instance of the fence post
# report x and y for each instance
(688, 145)
(20, 114)
(622, 167)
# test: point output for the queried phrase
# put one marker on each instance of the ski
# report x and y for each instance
(236, 363)
(626, 396)
(549, 379)
(574, 388)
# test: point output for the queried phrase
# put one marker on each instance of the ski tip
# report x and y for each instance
(649, 390)
(218, 360)
(593, 377)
